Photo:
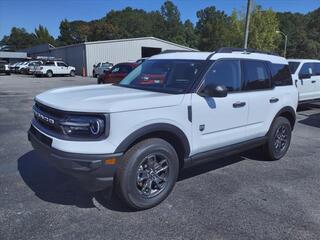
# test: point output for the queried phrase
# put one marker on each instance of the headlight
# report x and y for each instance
(85, 126)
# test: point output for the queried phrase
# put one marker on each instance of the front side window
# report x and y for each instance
(293, 66)
(164, 75)
(121, 69)
(49, 63)
(225, 73)
(306, 70)
(256, 76)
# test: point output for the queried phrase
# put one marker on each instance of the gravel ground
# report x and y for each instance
(239, 197)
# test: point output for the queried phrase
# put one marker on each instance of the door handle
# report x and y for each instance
(313, 81)
(274, 100)
(239, 104)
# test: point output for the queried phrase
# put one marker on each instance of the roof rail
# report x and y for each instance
(245, 50)
(175, 51)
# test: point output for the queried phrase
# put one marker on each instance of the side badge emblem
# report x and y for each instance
(201, 127)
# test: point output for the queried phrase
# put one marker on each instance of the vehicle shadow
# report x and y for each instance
(50, 185)
(312, 120)
(307, 106)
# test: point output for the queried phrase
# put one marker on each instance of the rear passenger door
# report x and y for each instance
(263, 99)
(316, 79)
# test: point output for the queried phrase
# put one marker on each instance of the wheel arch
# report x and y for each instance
(289, 113)
(168, 132)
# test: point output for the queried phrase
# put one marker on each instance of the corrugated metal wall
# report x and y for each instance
(73, 55)
(122, 50)
(115, 51)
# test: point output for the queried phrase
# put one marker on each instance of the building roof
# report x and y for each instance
(5, 54)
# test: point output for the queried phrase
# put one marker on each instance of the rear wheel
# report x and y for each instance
(49, 74)
(279, 139)
(147, 174)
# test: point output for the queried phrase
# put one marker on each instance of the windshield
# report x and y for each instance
(293, 66)
(172, 76)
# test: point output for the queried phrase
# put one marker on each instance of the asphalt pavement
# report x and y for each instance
(239, 197)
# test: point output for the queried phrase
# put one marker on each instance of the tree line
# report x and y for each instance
(213, 29)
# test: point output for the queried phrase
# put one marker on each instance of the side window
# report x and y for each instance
(281, 75)
(256, 76)
(61, 64)
(306, 70)
(49, 64)
(316, 67)
(226, 73)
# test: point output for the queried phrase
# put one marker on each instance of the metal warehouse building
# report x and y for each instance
(84, 55)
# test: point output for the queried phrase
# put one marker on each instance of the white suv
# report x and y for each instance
(51, 68)
(306, 75)
(171, 112)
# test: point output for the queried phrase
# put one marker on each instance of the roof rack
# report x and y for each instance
(245, 50)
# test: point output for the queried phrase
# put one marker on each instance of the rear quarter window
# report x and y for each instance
(281, 75)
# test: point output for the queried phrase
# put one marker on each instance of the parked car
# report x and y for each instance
(306, 75)
(31, 67)
(116, 73)
(22, 68)
(139, 136)
(51, 68)
(4, 67)
(101, 68)
(16, 66)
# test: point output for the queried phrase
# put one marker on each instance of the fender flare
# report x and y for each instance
(285, 110)
(154, 128)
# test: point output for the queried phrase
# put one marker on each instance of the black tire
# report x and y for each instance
(136, 162)
(279, 138)
(8, 73)
(49, 74)
(72, 73)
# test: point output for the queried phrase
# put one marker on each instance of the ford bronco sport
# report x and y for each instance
(171, 112)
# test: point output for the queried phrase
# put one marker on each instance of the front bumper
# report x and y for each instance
(93, 171)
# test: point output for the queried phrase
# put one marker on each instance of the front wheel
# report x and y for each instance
(147, 174)
(49, 74)
(72, 73)
(279, 139)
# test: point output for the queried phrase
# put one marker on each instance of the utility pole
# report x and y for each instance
(246, 30)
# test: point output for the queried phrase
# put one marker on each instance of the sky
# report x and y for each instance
(49, 13)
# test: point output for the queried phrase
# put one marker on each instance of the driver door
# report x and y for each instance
(306, 83)
(220, 121)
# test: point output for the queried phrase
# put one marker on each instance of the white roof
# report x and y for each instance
(204, 55)
(303, 60)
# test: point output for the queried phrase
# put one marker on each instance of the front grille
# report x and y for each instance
(48, 118)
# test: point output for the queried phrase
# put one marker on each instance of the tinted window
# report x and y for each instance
(256, 76)
(306, 70)
(49, 64)
(316, 67)
(226, 73)
(293, 66)
(61, 64)
(121, 69)
(281, 75)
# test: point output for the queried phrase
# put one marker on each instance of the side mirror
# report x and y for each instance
(211, 90)
(304, 76)
(94, 66)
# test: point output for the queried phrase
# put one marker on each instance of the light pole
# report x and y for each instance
(285, 42)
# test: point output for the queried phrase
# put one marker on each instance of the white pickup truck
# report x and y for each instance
(100, 68)
(51, 68)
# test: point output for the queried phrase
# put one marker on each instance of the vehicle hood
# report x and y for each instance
(106, 99)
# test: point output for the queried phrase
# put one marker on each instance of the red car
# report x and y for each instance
(117, 73)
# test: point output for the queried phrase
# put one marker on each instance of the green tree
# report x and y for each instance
(174, 27)
(214, 29)
(263, 30)
(42, 35)
(191, 39)
(19, 38)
